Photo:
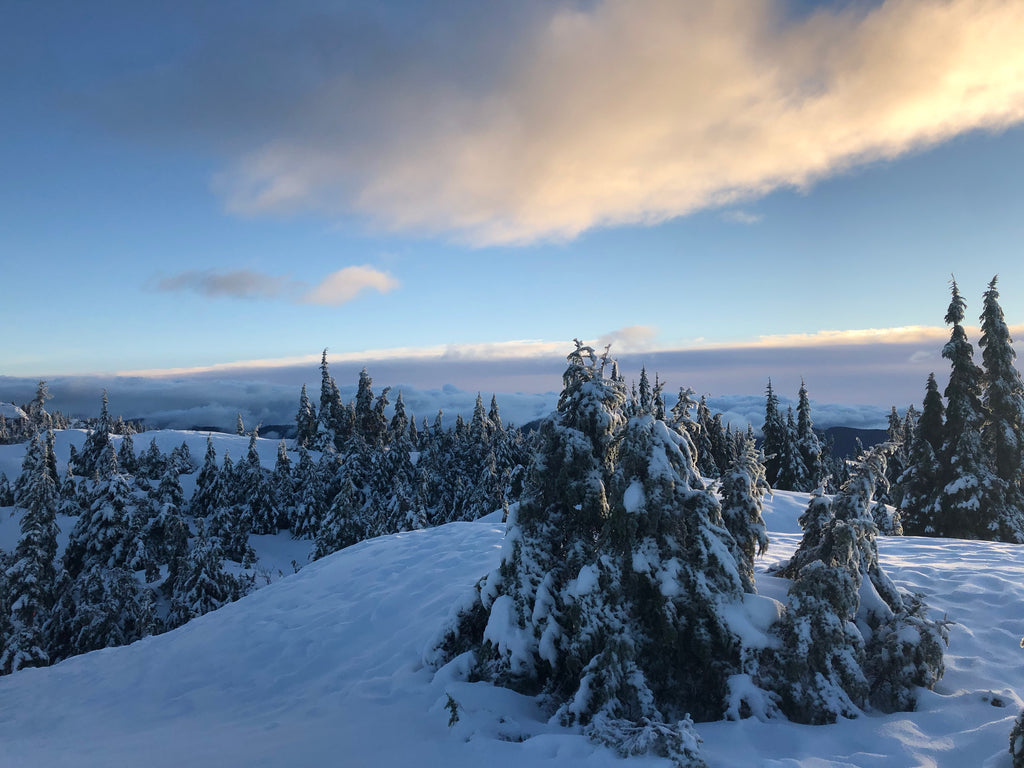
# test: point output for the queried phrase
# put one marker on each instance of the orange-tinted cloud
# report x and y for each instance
(636, 111)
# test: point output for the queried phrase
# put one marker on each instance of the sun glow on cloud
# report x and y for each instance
(632, 340)
(636, 111)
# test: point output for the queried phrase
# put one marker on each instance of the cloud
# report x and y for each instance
(632, 338)
(742, 217)
(337, 288)
(239, 284)
(625, 111)
(344, 285)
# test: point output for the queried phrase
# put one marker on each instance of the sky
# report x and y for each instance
(452, 191)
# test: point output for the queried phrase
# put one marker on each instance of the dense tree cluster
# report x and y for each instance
(142, 558)
(622, 576)
(964, 458)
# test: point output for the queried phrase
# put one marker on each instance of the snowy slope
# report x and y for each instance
(323, 668)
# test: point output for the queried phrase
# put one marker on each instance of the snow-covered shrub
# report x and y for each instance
(840, 585)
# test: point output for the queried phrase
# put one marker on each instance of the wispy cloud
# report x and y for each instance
(635, 111)
(337, 288)
(238, 284)
(344, 285)
(742, 217)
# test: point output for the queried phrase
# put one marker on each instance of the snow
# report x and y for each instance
(11, 412)
(325, 667)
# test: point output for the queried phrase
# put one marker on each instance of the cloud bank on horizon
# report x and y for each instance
(579, 118)
(854, 377)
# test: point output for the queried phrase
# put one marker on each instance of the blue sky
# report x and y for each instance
(186, 185)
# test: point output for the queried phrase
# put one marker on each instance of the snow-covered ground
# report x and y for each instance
(324, 668)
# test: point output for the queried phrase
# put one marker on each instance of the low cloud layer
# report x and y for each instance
(851, 382)
(633, 111)
(337, 288)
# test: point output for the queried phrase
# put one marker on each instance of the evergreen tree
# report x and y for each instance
(305, 422)
(258, 501)
(743, 488)
(31, 579)
(921, 481)
(610, 594)
(101, 608)
(202, 584)
(774, 432)
(1002, 432)
(968, 505)
(96, 443)
(839, 651)
(205, 497)
(105, 535)
(791, 475)
(6, 494)
(39, 420)
(808, 444)
(239, 426)
(310, 497)
(282, 488)
(126, 454)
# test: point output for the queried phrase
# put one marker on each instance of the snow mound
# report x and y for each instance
(324, 668)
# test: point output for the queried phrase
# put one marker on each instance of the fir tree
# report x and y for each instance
(840, 652)
(968, 505)
(305, 421)
(31, 579)
(96, 443)
(205, 497)
(1002, 432)
(808, 444)
(612, 587)
(774, 431)
(742, 490)
(920, 482)
(310, 497)
(202, 584)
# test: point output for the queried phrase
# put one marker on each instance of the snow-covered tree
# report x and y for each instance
(1002, 432)
(921, 480)
(849, 638)
(742, 490)
(31, 579)
(614, 576)
(202, 584)
(969, 501)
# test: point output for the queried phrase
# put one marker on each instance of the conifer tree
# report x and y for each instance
(282, 488)
(1002, 432)
(96, 443)
(611, 585)
(774, 432)
(840, 653)
(6, 494)
(205, 497)
(305, 421)
(808, 444)
(31, 579)
(968, 505)
(742, 490)
(126, 454)
(105, 535)
(202, 584)
(310, 497)
(921, 481)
